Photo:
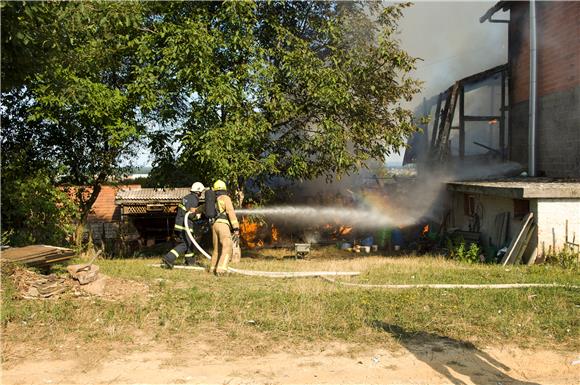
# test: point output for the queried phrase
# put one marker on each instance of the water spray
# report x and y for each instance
(360, 216)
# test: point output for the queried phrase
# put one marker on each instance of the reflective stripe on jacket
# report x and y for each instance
(190, 201)
(226, 213)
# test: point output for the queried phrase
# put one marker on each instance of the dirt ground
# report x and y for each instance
(432, 362)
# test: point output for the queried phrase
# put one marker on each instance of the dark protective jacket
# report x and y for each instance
(190, 201)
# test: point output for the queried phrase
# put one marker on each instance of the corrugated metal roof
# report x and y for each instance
(151, 195)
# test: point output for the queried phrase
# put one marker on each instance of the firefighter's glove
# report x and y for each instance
(236, 235)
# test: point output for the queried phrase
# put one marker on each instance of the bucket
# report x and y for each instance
(374, 248)
(365, 249)
(345, 246)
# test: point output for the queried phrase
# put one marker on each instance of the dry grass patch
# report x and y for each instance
(235, 314)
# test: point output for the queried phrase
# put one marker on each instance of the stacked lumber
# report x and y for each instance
(519, 243)
(36, 255)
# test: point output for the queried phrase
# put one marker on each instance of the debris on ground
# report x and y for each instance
(32, 285)
(115, 288)
(84, 273)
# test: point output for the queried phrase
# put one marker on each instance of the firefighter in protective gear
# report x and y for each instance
(185, 247)
(224, 225)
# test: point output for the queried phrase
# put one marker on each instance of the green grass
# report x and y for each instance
(246, 311)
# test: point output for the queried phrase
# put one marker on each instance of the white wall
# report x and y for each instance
(551, 216)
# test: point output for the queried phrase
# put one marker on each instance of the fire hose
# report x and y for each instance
(270, 274)
(326, 274)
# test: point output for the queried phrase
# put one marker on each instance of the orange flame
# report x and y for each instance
(425, 230)
(493, 121)
(248, 231)
(344, 230)
(275, 234)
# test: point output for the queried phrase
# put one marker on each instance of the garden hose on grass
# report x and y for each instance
(327, 274)
(451, 285)
(270, 274)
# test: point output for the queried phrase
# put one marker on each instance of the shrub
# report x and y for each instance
(34, 211)
(566, 258)
(458, 251)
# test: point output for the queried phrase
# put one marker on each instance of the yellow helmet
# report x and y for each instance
(219, 185)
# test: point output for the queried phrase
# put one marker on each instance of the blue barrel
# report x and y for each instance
(397, 237)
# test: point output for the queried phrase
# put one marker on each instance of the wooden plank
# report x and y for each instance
(462, 123)
(509, 255)
(501, 224)
(524, 245)
(505, 224)
(447, 122)
(36, 254)
(532, 258)
(471, 118)
(436, 121)
(502, 117)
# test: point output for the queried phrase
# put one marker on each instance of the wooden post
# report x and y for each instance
(436, 121)
(462, 122)
(502, 145)
(447, 121)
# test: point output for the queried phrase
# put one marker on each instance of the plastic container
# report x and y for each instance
(345, 246)
(374, 248)
(365, 249)
(368, 241)
(383, 238)
(397, 238)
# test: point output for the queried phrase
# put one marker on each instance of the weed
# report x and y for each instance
(567, 258)
(257, 313)
(461, 253)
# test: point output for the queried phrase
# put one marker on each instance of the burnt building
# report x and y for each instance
(529, 131)
(557, 141)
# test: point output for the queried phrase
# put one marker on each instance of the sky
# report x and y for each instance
(452, 44)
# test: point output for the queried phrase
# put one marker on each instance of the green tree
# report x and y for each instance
(33, 210)
(257, 89)
(68, 105)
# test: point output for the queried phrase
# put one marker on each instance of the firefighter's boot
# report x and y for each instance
(169, 259)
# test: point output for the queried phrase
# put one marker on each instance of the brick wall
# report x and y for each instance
(558, 124)
(104, 208)
(558, 31)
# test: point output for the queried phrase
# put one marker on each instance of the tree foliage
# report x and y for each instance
(298, 89)
(233, 90)
(67, 100)
(33, 209)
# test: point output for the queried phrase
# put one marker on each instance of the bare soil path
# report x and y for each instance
(433, 362)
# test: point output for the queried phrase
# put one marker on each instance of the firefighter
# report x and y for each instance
(224, 225)
(186, 248)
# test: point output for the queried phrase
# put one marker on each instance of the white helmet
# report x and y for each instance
(197, 187)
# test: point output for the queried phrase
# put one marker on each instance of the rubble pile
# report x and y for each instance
(30, 284)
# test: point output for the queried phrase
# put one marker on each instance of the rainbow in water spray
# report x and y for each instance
(316, 215)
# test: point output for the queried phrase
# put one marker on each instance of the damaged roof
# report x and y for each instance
(500, 5)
